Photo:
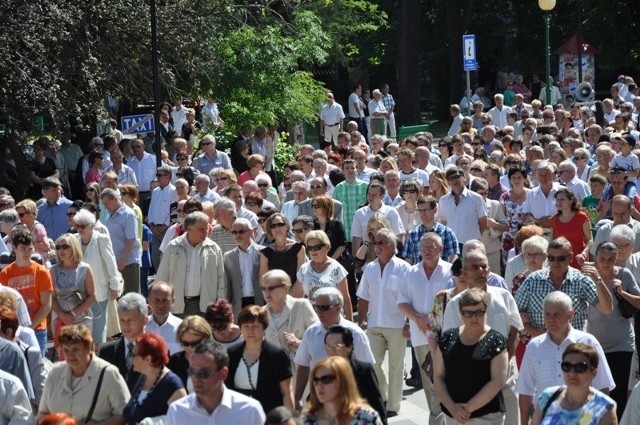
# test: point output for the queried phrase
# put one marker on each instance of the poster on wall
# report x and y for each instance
(568, 74)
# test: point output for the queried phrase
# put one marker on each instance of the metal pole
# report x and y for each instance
(579, 41)
(547, 22)
(469, 106)
(156, 81)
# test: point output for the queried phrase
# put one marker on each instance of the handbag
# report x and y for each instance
(626, 309)
(427, 366)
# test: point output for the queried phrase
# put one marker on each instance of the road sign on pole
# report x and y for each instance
(469, 52)
(138, 124)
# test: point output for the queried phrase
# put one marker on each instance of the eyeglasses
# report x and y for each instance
(297, 231)
(476, 170)
(533, 254)
(70, 214)
(205, 144)
(270, 288)
(22, 214)
(62, 247)
(315, 206)
(558, 258)
(251, 203)
(410, 191)
(199, 373)
(82, 226)
(277, 225)
(325, 307)
(223, 178)
(454, 177)
(317, 187)
(430, 247)
(468, 314)
(324, 379)
(312, 248)
(239, 232)
(136, 146)
(337, 346)
(581, 367)
(263, 184)
(193, 344)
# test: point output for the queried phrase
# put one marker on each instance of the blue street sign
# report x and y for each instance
(469, 52)
(138, 124)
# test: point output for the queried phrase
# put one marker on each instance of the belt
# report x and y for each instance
(332, 125)
(192, 298)
(146, 191)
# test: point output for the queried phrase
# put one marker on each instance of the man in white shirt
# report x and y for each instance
(162, 321)
(390, 106)
(15, 407)
(179, 115)
(567, 171)
(377, 307)
(331, 118)
(454, 110)
(408, 171)
(499, 112)
(364, 172)
(144, 166)
(291, 209)
(203, 192)
(211, 401)
(378, 114)
(423, 158)
(211, 115)
(356, 108)
(540, 203)
(159, 217)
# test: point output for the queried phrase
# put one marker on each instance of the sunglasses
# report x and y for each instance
(263, 184)
(410, 191)
(82, 226)
(476, 170)
(337, 346)
(558, 258)
(270, 288)
(239, 232)
(22, 214)
(454, 177)
(251, 203)
(70, 214)
(312, 248)
(199, 373)
(205, 144)
(315, 206)
(468, 314)
(190, 343)
(324, 379)
(321, 307)
(317, 187)
(62, 247)
(581, 367)
(297, 231)
(277, 225)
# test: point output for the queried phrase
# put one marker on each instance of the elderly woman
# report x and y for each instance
(107, 281)
(576, 402)
(256, 165)
(73, 289)
(219, 315)
(267, 190)
(254, 202)
(72, 384)
(192, 331)
(322, 270)
(256, 367)
(9, 218)
(28, 212)
(512, 203)
(614, 331)
(516, 263)
(71, 212)
(283, 253)
(222, 179)
(157, 386)
(470, 365)
(408, 210)
(288, 317)
(182, 194)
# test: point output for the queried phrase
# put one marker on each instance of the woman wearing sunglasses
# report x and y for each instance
(470, 365)
(73, 289)
(283, 253)
(192, 331)
(323, 271)
(577, 402)
(408, 210)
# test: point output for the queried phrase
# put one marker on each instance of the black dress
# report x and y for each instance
(284, 260)
(335, 231)
(42, 170)
(468, 368)
(155, 403)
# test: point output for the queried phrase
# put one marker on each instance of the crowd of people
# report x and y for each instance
(205, 289)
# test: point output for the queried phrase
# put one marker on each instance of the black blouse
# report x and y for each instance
(335, 231)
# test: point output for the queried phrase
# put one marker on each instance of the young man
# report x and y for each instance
(33, 281)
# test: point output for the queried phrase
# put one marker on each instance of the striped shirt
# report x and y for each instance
(352, 195)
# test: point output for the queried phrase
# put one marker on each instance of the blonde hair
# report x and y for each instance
(76, 251)
(28, 205)
(8, 299)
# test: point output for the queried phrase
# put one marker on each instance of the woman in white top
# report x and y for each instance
(408, 210)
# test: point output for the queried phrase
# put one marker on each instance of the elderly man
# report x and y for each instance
(122, 224)
(211, 399)
(499, 112)
(124, 172)
(132, 315)
(211, 157)
(300, 226)
(203, 192)
(161, 321)
(392, 182)
(456, 115)
(502, 316)
(319, 186)
(225, 215)
(363, 172)
(327, 303)
(292, 209)
(567, 172)
(540, 365)
(378, 114)
(558, 276)
(194, 265)
(540, 204)
(621, 213)
(331, 118)
(159, 217)
(242, 268)
(143, 165)
(251, 186)
(377, 296)
(418, 288)
(465, 212)
(423, 158)
(361, 217)
(497, 223)
(53, 212)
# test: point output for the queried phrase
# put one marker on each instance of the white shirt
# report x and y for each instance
(179, 118)
(159, 208)
(312, 350)
(579, 187)
(455, 125)
(502, 312)
(193, 270)
(246, 269)
(375, 106)
(167, 331)
(539, 205)
(362, 216)
(355, 99)
(463, 218)
(15, 408)
(499, 116)
(418, 174)
(125, 175)
(419, 291)
(145, 170)
(234, 408)
(210, 196)
(381, 289)
(290, 210)
(540, 366)
(331, 114)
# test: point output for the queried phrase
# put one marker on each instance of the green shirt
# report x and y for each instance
(352, 196)
(590, 204)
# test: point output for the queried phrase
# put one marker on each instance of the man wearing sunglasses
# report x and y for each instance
(242, 268)
(540, 366)
(211, 157)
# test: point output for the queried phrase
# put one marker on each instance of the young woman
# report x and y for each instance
(571, 222)
(438, 184)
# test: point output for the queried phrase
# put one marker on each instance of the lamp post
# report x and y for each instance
(547, 6)
(156, 80)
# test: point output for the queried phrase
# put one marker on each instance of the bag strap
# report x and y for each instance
(26, 356)
(553, 398)
(95, 396)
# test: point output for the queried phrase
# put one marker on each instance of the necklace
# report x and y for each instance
(136, 398)
(249, 366)
(333, 420)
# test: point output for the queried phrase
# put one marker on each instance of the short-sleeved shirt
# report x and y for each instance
(417, 174)
(312, 280)
(463, 218)
(412, 244)
(352, 195)
(30, 282)
(123, 226)
(331, 114)
(204, 164)
(629, 162)
(361, 218)
(539, 205)
(54, 217)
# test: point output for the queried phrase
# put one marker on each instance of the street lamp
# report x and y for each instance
(547, 6)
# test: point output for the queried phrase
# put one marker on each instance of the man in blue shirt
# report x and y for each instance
(53, 212)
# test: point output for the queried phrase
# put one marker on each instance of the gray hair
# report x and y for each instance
(558, 298)
(297, 176)
(109, 193)
(320, 161)
(209, 138)
(320, 154)
(263, 178)
(622, 232)
(498, 96)
(569, 164)
(334, 295)
(300, 185)
(473, 253)
(479, 184)
(82, 217)
(535, 242)
(390, 237)
(96, 141)
(204, 177)
(307, 221)
(473, 245)
(225, 204)
(375, 92)
(277, 275)
(165, 169)
(9, 216)
(244, 222)
(195, 217)
(133, 302)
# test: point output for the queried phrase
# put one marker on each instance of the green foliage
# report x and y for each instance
(285, 153)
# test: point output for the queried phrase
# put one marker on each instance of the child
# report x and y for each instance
(626, 159)
(597, 183)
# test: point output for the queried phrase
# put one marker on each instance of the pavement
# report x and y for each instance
(413, 409)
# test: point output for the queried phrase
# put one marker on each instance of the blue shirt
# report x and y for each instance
(205, 164)
(412, 245)
(146, 256)
(123, 226)
(54, 217)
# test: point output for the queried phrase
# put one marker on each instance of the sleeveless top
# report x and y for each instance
(284, 260)
(589, 414)
(70, 288)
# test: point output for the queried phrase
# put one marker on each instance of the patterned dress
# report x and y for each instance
(513, 211)
(589, 414)
(364, 416)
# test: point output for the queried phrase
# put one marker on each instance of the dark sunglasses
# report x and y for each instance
(270, 288)
(82, 226)
(410, 191)
(239, 232)
(454, 177)
(70, 214)
(581, 367)
(199, 373)
(190, 344)
(62, 247)
(22, 214)
(277, 225)
(315, 206)
(251, 203)
(468, 314)
(324, 379)
(558, 258)
(312, 248)
(475, 169)
(321, 307)
(263, 184)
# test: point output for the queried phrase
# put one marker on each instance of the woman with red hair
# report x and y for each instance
(157, 386)
(57, 419)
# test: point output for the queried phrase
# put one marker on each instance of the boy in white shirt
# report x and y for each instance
(626, 159)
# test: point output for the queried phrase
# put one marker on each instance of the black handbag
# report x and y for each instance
(626, 309)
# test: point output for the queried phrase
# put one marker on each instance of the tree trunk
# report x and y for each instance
(408, 63)
(458, 15)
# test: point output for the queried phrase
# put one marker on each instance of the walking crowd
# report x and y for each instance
(506, 254)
